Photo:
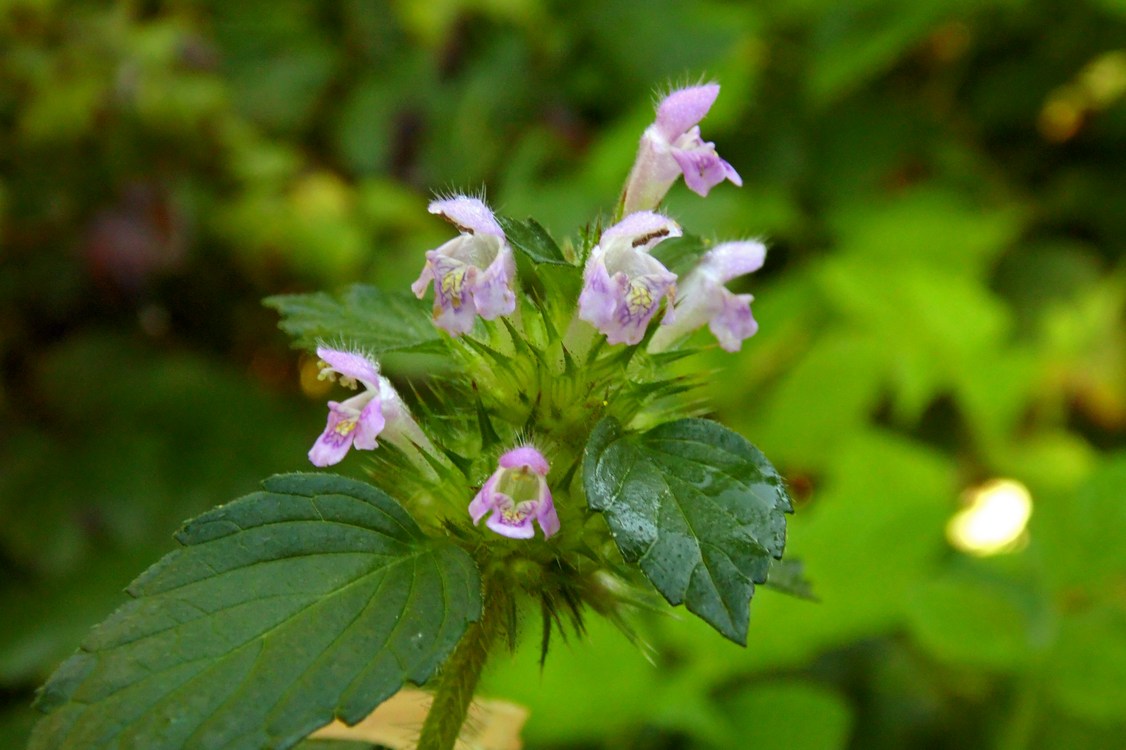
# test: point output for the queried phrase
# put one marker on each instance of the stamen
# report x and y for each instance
(345, 426)
(639, 298)
(450, 286)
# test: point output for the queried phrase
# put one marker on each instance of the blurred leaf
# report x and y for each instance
(970, 621)
(366, 131)
(277, 59)
(1036, 277)
(15, 726)
(363, 317)
(1113, 6)
(656, 50)
(856, 41)
(788, 576)
(592, 692)
(1093, 520)
(1086, 672)
(317, 597)
(45, 621)
(929, 225)
(765, 716)
(698, 507)
(131, 443)
(828, 395)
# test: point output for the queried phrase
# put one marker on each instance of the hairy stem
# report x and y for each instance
(460, 674)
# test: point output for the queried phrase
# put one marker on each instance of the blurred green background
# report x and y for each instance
(943, 189)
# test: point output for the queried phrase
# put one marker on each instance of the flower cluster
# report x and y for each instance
(624, 284)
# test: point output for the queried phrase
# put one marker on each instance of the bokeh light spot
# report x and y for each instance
(993, 520)
(311, 383)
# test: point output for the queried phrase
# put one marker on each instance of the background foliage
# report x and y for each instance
(941, 185)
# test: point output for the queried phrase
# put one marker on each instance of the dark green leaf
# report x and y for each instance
(698, 507)
(530, 238)
(363, 316)
(313, 599)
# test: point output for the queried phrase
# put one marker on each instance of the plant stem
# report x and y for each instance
(458, 680)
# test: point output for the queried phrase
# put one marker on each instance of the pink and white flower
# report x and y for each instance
(357, 421)
(622, 283)
(672, 146)
(516, 494)
(704, 298)
(472, 274)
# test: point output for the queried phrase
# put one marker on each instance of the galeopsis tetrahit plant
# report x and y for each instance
(561, 411)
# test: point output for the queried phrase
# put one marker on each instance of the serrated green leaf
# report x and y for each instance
(314, 599)
(698, 507)
(363, 316)
(530, 238)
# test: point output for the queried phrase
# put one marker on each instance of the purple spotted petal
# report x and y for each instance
(454, 309)
(512, 521)
(546, 515)
(513, 517)
(485, 499)
(733, 322)
(636, 308)
(525, 455)
(492, 293)
(334, 442)
(422, 283)
(702, 168)
(370, 424)
(684, 108)
(469, 215)
(351, 365)
(600, 294)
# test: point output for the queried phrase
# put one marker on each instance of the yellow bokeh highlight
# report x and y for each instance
(994, 519)
(1062, 115)
(1098, 86)
(1104, 79)
(312, 384)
